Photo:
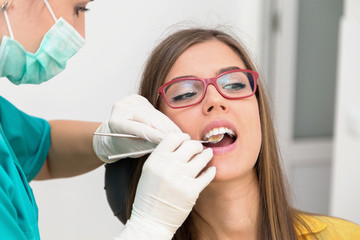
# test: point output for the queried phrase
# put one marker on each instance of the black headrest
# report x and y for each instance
(117, 182)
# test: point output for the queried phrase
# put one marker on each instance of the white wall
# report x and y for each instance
(120, 34)
(345, 196)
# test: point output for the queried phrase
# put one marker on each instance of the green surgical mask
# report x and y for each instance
(59, 44)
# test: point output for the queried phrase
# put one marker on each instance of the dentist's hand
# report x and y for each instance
(168, 188)
(132, 115)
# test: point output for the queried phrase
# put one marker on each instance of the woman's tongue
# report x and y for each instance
(227, 140)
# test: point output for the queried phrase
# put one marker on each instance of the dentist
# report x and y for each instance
(37, 39)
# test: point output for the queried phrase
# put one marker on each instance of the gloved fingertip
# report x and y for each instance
(141, 100)
(212, 170)
(158, 138)
(186, 136)
(206, 177)
(209, 151)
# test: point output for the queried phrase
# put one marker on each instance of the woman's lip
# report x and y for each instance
(217, 124)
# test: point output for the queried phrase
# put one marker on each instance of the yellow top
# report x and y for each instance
(329, 228)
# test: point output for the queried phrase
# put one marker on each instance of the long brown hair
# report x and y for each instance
(277, 219)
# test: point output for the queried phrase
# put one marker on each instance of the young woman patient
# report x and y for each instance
(205, 81)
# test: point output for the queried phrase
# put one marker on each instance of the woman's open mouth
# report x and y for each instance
(229, 137)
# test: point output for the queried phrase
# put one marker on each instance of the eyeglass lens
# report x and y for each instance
(190, 91)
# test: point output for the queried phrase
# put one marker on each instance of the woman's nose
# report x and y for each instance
(214, 101)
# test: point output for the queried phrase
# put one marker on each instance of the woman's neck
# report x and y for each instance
(228, 210)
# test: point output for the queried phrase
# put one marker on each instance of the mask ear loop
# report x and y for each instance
(50, 10)
(3, 9)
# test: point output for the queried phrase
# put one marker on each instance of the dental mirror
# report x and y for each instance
(213, 139)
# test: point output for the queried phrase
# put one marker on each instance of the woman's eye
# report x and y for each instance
(79, 9)
(183, 97)
(234, 86)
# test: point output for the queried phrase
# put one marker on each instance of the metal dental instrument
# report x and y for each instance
(116, 135)
(211, 140)
(6, 4)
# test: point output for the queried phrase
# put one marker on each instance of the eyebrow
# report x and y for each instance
(185, 76)
(85, 2)
(222, 70)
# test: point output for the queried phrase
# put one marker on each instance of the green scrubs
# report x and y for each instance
(24, 145)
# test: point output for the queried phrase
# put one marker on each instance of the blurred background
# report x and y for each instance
(307, 52)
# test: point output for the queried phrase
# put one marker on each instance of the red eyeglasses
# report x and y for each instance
(189, 91)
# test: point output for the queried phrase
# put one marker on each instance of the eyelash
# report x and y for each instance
(80, 9)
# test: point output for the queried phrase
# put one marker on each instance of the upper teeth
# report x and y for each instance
(217, 131)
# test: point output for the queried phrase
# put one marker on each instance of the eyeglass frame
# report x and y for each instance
(206, 82)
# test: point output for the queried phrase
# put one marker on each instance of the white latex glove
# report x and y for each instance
(132, 115)
(168, 188)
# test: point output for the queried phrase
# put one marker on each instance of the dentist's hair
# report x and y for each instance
(277, 219)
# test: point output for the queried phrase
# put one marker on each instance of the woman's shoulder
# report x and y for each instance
(327, 227)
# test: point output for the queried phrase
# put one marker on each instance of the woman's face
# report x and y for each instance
(233, 159)
(31, 20)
